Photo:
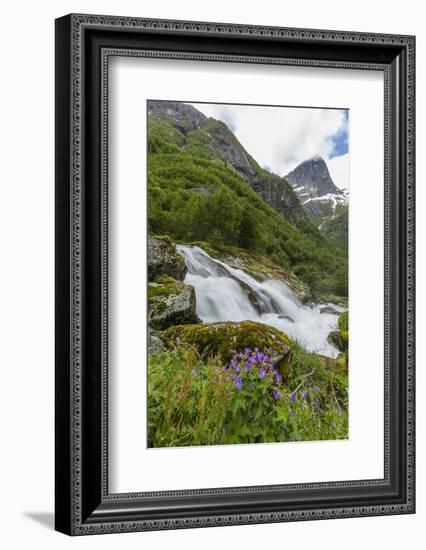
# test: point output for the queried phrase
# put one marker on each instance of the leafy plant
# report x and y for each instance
(195, 400)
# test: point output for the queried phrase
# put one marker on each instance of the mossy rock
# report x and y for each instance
(219, 338)
(164, 260)
(340, 338)
(170, 302)
(335, 338)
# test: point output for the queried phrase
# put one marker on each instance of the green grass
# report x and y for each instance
(193, 400)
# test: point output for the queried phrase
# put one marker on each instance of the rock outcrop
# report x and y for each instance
(185, 117)
(164, 260)
(170, 302)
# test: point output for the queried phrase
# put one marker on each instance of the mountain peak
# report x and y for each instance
(313, 176)
(319, 196)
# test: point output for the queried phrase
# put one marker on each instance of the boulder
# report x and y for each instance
(335, 339)
(155, 344)
(329, 309)
(340, 338)
(170, 302)
(164, 260)
(286, 317)
(220, 338)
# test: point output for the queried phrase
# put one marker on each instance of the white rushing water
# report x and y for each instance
(223, 292)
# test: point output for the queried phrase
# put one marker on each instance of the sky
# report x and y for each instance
(280, 138)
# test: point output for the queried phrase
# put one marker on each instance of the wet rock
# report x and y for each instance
(335, 339)
(340, 338)
(164, 260)
(286, 317)
(329, 309)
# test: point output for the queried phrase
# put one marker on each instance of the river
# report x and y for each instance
(224, 293)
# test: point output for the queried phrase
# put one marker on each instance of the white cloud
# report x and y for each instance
(339, 170)
(280, 138)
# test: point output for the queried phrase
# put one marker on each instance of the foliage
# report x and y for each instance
(194, 195)
(336, 230)
(344, 327)
(198, 400)
(182, 393)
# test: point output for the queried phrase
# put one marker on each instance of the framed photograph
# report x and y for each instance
(234, 274)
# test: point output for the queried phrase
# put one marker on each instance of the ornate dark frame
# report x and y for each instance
(83, 46)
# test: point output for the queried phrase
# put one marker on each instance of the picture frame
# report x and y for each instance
(83, 503)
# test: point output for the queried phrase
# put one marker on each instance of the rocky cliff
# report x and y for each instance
(210, 138)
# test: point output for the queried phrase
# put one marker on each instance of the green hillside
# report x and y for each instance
(196, 194)
(336, 230)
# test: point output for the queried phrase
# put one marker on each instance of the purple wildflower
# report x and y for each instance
(262, 372)
(275, 395)
(248, 365)
(278, 377)
(304, 394)
(238, 383)
(293, 397)
(247, 351)
(237, 368)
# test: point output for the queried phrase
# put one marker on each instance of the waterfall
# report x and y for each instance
(225, 293)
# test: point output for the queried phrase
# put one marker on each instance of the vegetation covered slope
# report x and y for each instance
(201, 186)
(336, 230)
(209, 139)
